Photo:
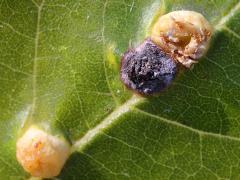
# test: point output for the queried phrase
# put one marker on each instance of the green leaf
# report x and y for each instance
(59, 66)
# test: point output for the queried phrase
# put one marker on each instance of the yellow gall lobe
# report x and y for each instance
(41, 154)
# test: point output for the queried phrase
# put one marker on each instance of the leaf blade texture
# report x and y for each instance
(59, 64)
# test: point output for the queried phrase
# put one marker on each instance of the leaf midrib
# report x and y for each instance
(107, 122)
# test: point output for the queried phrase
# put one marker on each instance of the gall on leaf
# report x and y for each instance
(147, 69)
(42, 154)
(178, 39)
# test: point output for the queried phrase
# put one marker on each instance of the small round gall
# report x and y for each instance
(184, 34)
(147, 69)
(41, 154)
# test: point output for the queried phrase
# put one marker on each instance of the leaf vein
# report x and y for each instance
(226, 18)
(34, 79)
(226, 75)
(104, 58)
(138, 149)
(106, 123)
(200, 132)
(231, 32)
(15, 70)
(14, 30)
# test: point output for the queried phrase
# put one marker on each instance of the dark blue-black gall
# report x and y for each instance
(147, 69)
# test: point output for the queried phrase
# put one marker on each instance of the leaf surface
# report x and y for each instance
(59, 66)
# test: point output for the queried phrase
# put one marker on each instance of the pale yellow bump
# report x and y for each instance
(110, 56)
(42, 154)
